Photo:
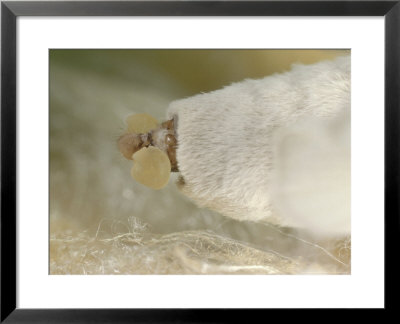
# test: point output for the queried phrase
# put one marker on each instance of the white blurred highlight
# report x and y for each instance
(311, 180)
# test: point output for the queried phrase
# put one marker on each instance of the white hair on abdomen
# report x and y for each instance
(231, 147)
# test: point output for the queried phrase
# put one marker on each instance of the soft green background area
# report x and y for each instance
(194, 70)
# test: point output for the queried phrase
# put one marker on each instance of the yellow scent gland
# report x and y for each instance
(151, 167)
(141, 123)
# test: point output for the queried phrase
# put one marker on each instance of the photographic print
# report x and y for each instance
(203, 161)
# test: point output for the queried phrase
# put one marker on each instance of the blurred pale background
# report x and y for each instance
(103, 222)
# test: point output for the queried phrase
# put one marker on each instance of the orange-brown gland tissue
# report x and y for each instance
(153, 150)
(131, 142)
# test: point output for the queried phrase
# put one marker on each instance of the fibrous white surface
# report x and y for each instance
(231, 141)
(139, 251)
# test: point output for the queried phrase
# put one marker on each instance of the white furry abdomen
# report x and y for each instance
(227, 139)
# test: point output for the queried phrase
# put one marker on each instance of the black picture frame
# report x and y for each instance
(11, 10)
